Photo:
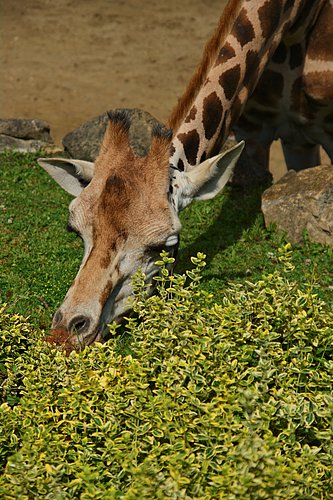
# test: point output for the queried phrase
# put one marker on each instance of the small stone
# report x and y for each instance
(23, 146)
(22, 128)
(302, 201)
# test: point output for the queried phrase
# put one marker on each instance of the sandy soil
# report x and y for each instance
(66, 61)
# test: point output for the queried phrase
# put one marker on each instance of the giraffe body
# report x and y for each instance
(266, 84)
(266, 74)
(293, 101)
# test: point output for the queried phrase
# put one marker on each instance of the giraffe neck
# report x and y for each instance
(246, 37)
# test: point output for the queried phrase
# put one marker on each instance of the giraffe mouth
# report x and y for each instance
(69, 338)
(69, 342)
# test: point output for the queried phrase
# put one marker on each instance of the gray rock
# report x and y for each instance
(26, 146)
(302, 201)
(84, 142)
(26, 129)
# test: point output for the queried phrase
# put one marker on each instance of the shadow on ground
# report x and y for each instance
(238, 213)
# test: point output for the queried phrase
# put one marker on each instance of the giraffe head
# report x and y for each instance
(126, 211)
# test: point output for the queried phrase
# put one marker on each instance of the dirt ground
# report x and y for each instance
(66, 61)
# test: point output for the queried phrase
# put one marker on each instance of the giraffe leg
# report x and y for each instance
(298, 157)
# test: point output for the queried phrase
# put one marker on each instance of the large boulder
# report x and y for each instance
(25, 135)
(85, 141)
(302, 201)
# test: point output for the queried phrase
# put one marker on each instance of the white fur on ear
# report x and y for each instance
(72, 175)
(208, 178)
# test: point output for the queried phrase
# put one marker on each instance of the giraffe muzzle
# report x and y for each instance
(73, 334)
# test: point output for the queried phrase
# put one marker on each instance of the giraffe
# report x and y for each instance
(271, 77)
(265, 73)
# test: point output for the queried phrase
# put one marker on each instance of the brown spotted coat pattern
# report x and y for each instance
(266, 72)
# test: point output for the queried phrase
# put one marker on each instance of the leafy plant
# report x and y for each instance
(214, 400)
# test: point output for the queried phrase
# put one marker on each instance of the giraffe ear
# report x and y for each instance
(208, 179)
(72, 175)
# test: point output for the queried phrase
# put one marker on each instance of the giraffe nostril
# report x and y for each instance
(57, 318)
(79, 324)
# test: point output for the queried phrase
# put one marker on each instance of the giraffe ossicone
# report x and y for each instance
(258, 77)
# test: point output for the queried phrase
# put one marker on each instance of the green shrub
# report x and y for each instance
(231, 400)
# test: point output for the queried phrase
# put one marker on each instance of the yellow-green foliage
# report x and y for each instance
(230, 400)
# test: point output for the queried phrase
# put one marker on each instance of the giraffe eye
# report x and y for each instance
(169, 245)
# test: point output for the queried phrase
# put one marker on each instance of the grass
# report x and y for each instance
(39, 259)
